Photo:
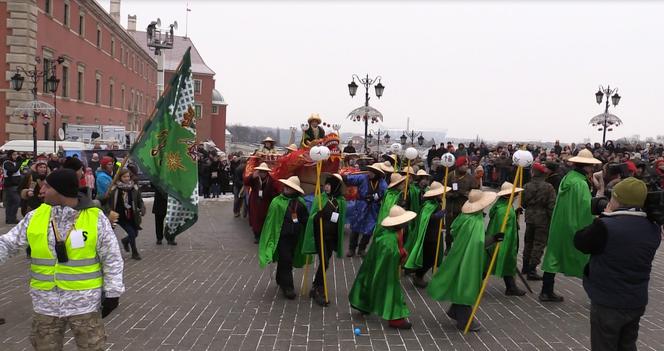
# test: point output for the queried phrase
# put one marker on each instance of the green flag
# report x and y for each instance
(166, 150)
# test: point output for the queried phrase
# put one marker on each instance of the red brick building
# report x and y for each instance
(210, 104)
(105, 79)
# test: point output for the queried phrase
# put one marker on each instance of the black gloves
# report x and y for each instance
(108, 304)
(498, 237)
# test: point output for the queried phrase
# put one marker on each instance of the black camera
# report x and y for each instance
(597, 205)
(654, 206)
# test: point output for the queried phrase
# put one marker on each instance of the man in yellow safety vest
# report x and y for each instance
(76, 265)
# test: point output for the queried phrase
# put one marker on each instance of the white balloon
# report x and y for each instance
(447, 160)
(411, 153)
(522, 158)
(324, 152)
(315, 153)
(396, 148)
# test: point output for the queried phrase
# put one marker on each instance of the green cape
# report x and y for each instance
(460, 275)
(377, 288)
(416, 239)
(309, 245)
(572, 213)
(267, 246)
(509, 248)
(415, 205)
(390, 199)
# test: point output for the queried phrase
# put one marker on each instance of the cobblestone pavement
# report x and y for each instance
(208, 293)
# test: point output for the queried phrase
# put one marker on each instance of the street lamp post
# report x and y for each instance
(386, 137)
(367, 82)
(615, 99)
(51, 85)
(413, 135)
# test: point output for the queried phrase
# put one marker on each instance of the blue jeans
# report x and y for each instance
(132, 233)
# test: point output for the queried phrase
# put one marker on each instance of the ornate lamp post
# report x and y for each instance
(51, 85)
(367, 82)
(379, 132)
(412, 135)
(606, 120)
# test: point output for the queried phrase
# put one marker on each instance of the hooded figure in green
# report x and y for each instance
(283, 233)
(414, 195)
(333, 216)
(506, 259)
(393, 196)
(377, 288)
(571, 214)
(422, 244)
(459, 277)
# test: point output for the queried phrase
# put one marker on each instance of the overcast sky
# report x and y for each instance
(500, 70)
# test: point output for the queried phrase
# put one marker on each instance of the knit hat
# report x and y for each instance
(73, 163)
(64, 181)
(106, 160)
(539, 169)
(630, 192)
(461, 161)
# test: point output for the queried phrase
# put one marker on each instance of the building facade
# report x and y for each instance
(106, 78)
(210, 104)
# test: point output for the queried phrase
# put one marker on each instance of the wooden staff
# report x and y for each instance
(405, 191)
(518, 175)
(319, 166)
(442, 221)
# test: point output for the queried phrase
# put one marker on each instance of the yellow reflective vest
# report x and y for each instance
(82, 271)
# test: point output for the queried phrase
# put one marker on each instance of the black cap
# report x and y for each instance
(73, 163)
(64, 181)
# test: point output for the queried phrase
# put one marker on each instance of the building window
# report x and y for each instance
(65, 18)
(122, 97)
(197, 86)
(112, 47)
(199, 110)
(47, 7)
(215, 109)
(110, 95)
(64, 81)
(47, 73)
(98, 37)
(79, 88)
(97, 90)
(81, 24)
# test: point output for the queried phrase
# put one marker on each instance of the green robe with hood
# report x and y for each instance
(415, 240)
(377, 288)
(460, 274)
(509, 249)
(267, 246)
(571, 214)
(309, 245)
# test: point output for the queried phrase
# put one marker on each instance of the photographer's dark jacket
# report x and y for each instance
(622, 245)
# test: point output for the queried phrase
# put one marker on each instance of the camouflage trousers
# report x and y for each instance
(534, 243)
(48, 332)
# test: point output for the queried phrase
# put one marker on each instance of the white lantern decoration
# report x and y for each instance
(396, 148)
(522, 158)
(324, 153)
(447, 160)
(411, 153)
(315, 153)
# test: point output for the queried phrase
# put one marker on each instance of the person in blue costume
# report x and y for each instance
(371, 188)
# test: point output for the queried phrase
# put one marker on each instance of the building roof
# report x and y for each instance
(217, 98)
(173, 56)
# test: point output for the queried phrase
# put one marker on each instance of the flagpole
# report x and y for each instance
(519, 174)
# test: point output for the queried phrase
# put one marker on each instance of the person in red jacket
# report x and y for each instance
(262, 193)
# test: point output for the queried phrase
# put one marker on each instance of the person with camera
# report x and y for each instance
(622, 244)
(76, 265)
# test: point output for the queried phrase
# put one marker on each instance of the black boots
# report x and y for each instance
(318, 295)
(288, 293)
(461, 313)
(511, 289)
(547, 294)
